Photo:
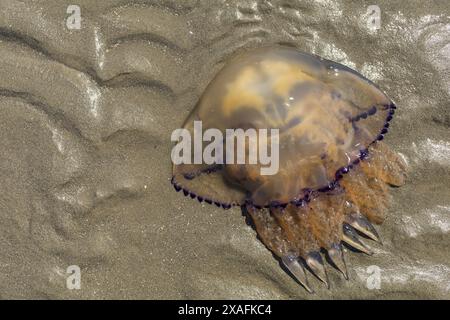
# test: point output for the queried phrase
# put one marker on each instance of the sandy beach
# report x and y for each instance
(86, 117)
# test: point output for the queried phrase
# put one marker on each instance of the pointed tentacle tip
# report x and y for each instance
(361, 224)
(336, 255)
(297, 270)
(315, 262)
(351, 238)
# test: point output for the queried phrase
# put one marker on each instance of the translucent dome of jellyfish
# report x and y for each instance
(334, 171)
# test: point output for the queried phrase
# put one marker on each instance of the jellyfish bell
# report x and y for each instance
(327, 115)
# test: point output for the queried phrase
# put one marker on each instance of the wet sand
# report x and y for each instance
(85, 123)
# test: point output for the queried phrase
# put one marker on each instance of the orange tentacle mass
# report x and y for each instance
(318, 224)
